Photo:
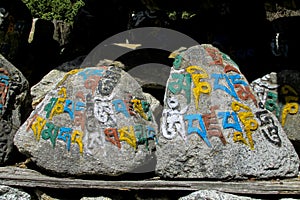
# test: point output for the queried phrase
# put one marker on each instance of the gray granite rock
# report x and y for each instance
(15, 106)
(213, 194)
(96, 121)
(279, 93)
(212, 126)
(9, 193)
(95, 198)
(50, 80)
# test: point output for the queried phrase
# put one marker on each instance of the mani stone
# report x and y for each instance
(212, 127)
(97, 121)
(14, 107)
(279, 93)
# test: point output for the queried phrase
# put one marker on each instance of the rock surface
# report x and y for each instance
(15, 106)
(50, 80)
(97, 121)
(279, 93)
(95, 198)
(9, 193)
(213, 194)
(212, 127)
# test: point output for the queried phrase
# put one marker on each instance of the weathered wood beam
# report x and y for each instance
(20, 177)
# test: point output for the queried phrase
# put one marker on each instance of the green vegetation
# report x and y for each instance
(54, 9)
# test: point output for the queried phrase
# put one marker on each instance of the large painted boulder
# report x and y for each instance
(212, 126)
(15, 106)
(96, 121)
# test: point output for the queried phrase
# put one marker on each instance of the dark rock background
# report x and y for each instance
(245, 30)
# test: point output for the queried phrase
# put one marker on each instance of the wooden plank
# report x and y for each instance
(20, 177)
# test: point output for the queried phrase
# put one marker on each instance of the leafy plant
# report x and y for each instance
(54, 9)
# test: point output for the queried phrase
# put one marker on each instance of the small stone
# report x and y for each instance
(9, 193)
(213, 194)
